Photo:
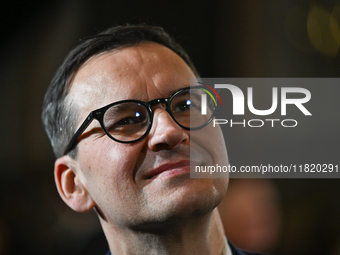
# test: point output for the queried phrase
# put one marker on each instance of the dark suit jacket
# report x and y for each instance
(235, 251)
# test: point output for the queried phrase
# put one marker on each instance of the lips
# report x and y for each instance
(169, 169)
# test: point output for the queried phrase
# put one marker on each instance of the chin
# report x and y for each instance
(171, 205)
(198, 198)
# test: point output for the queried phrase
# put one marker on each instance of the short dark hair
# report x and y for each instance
(59, 116)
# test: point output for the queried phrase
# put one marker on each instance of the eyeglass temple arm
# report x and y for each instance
(80, 130)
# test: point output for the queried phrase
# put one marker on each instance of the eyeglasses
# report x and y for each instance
(129, 121)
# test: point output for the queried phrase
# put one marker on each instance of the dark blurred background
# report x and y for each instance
(245, 38)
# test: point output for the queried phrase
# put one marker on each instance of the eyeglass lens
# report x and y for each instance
(128, 121)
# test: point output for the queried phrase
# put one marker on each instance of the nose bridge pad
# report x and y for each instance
(158, 105)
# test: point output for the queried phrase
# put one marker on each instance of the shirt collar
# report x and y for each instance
(227, 250)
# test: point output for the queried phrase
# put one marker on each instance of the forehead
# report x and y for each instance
(144, 72)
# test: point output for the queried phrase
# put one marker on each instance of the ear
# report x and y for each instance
(69, 185)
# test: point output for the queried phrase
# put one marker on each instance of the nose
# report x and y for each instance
(165, 133)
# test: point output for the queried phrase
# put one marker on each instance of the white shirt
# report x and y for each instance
(227, 250)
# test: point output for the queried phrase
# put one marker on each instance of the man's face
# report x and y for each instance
(121, 178)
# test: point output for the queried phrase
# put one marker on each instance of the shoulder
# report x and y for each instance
(237, 251)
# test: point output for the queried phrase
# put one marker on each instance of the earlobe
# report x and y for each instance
(69, 185)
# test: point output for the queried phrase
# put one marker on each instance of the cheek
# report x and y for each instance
(108, 175)
(220, 146)
(102, 155)
(211, 140)
(108, 167)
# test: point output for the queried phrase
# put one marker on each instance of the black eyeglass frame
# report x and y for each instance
(99, 115)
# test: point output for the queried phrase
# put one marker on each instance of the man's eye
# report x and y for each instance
(134, 118)
(127, 125)
(129, 121)
(182, 106)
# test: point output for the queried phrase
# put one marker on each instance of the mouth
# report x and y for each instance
(169, 170)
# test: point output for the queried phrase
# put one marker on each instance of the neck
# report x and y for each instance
(203, 235)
